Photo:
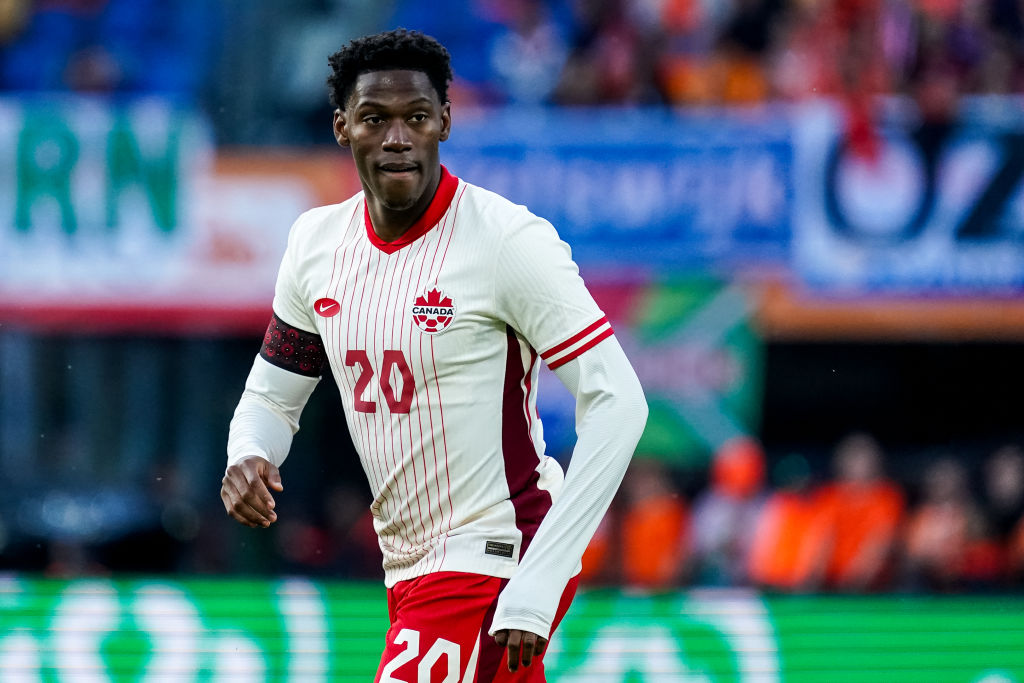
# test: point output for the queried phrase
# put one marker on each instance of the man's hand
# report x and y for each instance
(520, 644)
(245, 491)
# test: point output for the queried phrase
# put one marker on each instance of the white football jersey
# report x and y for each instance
(435, 341)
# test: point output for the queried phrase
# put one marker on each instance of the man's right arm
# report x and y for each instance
(280, 382)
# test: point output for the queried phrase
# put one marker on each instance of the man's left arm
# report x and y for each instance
(610, 416)
(539, 292)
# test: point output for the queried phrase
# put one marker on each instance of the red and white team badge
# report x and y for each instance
(432, 311)
(325, 308)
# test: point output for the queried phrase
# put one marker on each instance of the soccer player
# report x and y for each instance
(432, 301)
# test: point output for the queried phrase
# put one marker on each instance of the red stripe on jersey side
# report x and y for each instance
(573, 339)
(586, 347)
(531, 502)
(435, 211)
(528, 380)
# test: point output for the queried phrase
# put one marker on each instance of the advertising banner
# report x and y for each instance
(110, 213)
(299, 631)
(693, 345)
(122, 215)
(643, 188)
(920, 207)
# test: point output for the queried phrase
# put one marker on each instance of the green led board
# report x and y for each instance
(299, 631)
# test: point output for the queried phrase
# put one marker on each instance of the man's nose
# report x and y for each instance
(397, 138)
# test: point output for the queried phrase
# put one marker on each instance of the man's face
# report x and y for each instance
(393, 122)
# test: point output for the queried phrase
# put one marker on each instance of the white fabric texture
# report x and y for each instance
(267, 415)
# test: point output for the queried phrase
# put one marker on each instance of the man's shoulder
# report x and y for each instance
(327, 216)
(489, 210)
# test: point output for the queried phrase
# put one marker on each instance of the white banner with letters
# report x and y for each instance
(922, 208)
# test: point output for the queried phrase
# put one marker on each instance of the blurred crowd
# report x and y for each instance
(859, 530)
(598, 52)
(745, 522)
(133, 47)
(268, 58)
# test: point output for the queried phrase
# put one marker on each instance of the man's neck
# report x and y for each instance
(389, 224)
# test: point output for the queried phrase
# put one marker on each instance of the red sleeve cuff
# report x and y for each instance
(582, 341)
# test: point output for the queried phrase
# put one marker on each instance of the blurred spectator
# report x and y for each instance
(724, 515)
(655, 527)
(611, 60)
(1003, 490)
(787, 551)
(945, 544)
(601, 559)
(528, 53)
(1003, 501)
(862, 510)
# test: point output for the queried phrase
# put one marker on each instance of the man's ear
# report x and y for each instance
(341, 128)
(446, 120)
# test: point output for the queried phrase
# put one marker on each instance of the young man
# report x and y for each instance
(432, 300)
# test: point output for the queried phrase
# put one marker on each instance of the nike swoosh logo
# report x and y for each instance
(326, 307)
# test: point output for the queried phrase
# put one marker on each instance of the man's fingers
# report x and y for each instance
(529, 643)
(273, 477)
(539, 648)
(515, 639)
(237, 508)
(238, 501)
(501, 637)
(257, 494)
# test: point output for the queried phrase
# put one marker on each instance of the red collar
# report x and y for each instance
(437, 208)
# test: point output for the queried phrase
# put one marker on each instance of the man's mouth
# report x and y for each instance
(397, 167)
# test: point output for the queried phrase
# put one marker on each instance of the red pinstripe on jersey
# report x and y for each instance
(585, 339)
(424, 404)
(437, 386)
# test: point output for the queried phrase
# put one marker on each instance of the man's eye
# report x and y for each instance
(372, 120)
(418, 118)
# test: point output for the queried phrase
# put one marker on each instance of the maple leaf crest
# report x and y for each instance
(434, 298)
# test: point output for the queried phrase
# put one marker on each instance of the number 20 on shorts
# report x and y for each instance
(442, 649)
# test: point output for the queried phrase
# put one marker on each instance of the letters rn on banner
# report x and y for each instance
(111, 206)
(927, 207)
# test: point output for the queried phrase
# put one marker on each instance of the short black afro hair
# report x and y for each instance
(398, 49)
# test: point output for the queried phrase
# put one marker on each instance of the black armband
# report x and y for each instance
(292, 349)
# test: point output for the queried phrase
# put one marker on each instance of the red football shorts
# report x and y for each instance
(439, 628)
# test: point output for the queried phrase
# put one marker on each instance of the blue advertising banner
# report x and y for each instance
(640, 187)
(930, 207)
